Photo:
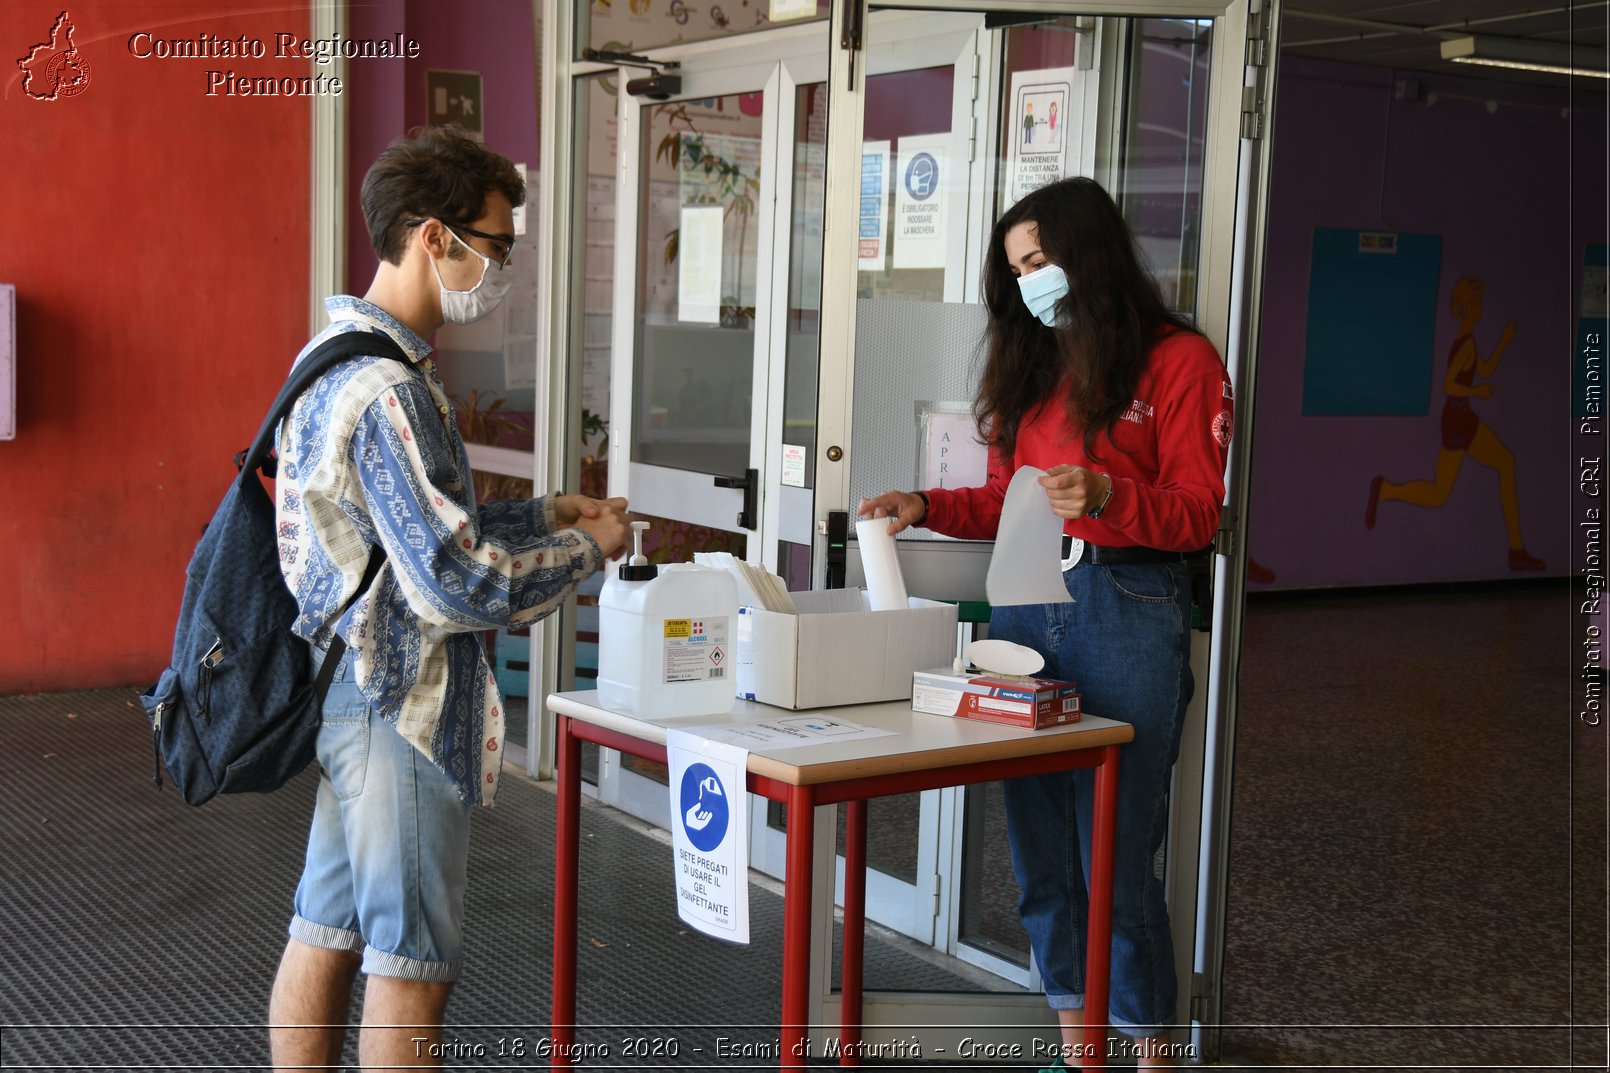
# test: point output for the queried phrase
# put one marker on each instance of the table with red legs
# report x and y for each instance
(921, 752)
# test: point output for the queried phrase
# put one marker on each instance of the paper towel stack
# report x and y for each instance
(757, 586)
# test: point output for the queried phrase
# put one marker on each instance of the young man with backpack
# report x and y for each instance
(412, 737)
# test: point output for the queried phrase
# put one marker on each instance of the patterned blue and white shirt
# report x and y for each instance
(371, 455)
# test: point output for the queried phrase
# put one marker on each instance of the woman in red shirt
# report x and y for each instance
(1090, 377)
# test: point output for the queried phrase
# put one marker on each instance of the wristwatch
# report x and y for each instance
(1095, 511)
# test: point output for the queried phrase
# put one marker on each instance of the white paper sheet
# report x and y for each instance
(1026, 567)
(698, 297)
(788, 730)
(710, 834)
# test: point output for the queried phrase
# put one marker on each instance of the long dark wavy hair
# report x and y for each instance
(1111, 317)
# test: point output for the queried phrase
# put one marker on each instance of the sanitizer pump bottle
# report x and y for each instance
(666, 637)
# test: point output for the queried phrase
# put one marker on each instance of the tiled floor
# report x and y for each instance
(1418, 870)
(1418, 833)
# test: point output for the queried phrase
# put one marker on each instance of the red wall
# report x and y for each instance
(158, 241)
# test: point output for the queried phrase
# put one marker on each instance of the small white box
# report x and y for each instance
(836, 651)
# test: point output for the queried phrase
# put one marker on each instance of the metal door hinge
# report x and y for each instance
(1251, 113)
(1202, 999)
(1224, 542)
(972, 111)
(1257, 38)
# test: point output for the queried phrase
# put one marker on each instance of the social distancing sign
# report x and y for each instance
(1046, 133)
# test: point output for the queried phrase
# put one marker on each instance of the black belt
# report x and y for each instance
(1100, 556)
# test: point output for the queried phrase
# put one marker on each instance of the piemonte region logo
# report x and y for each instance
(55, 69)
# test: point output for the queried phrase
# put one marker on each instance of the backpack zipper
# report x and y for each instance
(214, 656)
(156, 745)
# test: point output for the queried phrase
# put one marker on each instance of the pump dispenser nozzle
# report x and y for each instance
(638, 558)
(638, 568)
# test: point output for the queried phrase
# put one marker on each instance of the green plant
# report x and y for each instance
(594, 425)
(487, 424)
(481, 420)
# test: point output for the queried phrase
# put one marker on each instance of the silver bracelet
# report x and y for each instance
(1095, 511)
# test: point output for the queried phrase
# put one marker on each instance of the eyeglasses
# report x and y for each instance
(503, 242)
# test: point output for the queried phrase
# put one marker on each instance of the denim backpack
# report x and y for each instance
(238, 711)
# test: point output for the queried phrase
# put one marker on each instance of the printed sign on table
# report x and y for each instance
(710, 834)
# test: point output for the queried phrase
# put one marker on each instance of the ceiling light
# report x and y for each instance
(1528, 55)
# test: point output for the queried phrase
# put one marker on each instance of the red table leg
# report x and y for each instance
(854, 930)
(1098, 955)
(797, 926)
(566, 871)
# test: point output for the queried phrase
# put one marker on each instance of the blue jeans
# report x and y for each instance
(1126, 643)
(388, 851)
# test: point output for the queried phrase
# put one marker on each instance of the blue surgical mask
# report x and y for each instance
(1042, 290)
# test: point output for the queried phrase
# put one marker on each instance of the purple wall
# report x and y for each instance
(386, 100)
(1498, 186)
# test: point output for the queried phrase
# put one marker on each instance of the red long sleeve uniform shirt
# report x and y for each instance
(1167, 468)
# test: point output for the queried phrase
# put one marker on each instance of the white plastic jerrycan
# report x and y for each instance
(666, 637)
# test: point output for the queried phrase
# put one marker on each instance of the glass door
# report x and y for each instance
(752, 163)
(1149, 103)
(924, 89)
(700, 258)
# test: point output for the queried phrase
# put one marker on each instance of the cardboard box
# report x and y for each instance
(1031, 703)
(836, 651)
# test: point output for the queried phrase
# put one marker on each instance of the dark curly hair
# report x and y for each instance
(436, 172)
(1112, 315)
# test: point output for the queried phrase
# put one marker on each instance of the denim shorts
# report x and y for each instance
(1125, 642)
(388, 850)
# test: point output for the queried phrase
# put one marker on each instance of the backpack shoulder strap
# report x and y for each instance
(338, 644)
(334, 350)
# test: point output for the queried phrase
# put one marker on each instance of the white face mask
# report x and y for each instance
(467, 307)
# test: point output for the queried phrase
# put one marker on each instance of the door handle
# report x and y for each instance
(750, 484)
(838, 540)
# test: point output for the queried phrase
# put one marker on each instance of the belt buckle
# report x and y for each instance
(1076, 551)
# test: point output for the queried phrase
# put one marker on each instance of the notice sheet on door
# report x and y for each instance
(1039, 129)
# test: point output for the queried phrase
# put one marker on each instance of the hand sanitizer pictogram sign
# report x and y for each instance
(710, 834)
